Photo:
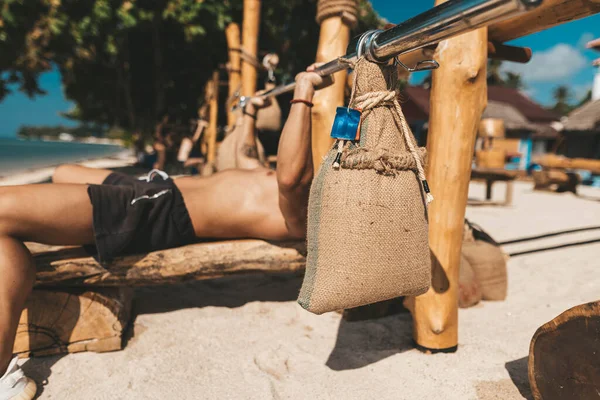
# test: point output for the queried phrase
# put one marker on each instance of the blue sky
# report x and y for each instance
(559, 58)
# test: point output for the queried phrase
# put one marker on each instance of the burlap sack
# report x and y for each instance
(226, 152)
(469, 292)
(487, 261)
(367, 221)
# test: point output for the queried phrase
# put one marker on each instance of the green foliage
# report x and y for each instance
(127, 63)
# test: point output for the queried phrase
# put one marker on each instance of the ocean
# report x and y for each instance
(21, 155)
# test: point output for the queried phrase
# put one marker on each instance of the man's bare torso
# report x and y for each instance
(235, 203)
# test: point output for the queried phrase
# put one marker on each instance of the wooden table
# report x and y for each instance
(491, 175)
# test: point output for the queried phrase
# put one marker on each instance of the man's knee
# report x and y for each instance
(9, 202)
(64, 173)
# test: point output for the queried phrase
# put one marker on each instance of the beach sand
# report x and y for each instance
(122, 159)
(246, 338)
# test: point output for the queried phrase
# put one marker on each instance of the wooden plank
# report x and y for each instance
(333, 41)
(70, 321)
(72, 266)
(563, 356)
(550, 13)
(250, 26)
(213, 119)
(232, 32)
(458, 98)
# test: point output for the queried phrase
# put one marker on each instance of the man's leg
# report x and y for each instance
(71, 173)
(50, 214)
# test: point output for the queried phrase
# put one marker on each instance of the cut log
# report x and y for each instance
(70, 321)
(74, 267)
(548, 14)
(563, 356)
(458, 98)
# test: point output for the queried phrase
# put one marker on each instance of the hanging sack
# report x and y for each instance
(367, 220)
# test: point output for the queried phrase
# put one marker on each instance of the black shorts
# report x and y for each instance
(134, 216)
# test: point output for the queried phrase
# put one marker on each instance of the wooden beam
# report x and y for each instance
(211, 136)
(458, 98)
(250, 28)
(72, 266)
(563, 356)
(550, 13)
(232, 32)
(73, 320)
(333, 42)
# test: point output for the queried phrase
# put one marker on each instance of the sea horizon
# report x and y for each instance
(20, 155)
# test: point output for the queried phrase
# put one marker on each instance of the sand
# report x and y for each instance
(246, 338)
(39, 175)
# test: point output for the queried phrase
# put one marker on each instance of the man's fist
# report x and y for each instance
(313, 79)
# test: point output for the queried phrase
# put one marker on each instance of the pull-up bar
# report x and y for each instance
(442, 22)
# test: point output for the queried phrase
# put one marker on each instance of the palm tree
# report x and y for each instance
(514, 81)
(493, 75)
(562, 95)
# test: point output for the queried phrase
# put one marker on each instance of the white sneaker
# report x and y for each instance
(14, 385)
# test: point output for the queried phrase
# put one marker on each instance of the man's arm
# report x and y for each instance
(294, 157)
(246, 150)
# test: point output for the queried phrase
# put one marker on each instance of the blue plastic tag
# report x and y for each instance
(346, 124)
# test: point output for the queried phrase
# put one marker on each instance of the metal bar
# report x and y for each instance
(442, 22)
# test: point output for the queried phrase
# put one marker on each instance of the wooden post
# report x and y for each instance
(548, 14)
(213, 117)
(250, 45)
(458, 98)
(232, 32)
(333, 42)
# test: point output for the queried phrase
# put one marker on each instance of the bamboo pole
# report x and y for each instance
(232, 32)
(458, 98)
(333, 41)
(213, 117)
(250, 27)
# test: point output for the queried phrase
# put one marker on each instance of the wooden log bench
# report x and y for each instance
(80, 305)
(491, 175)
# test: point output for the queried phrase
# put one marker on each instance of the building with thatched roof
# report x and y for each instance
(582, 132)
(530, 128)
(581, 135)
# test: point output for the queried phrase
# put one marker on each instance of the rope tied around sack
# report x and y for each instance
(377, 158)
(381, 160)
(347, 9)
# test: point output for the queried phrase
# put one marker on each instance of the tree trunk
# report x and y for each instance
(458, 98)
(235, 65)
(333, 41)
(250, 29)
(159, 89)
(563, 356)
(72, 266)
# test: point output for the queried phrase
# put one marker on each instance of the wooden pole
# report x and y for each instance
(547, 15)
(333, 41)
(250, 45)
(213, 117)
(232, 32)
(458, 98)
